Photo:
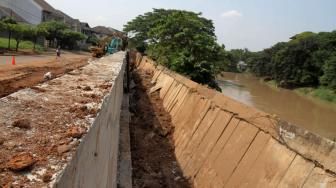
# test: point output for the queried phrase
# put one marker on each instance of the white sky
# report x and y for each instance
(254, 24)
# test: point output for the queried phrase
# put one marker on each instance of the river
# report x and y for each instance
(312, 114)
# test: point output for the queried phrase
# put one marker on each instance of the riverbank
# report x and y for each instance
(319, 93)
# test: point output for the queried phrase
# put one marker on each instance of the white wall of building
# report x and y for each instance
(27, 9)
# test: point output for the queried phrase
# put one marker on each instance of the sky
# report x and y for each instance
(252, 24)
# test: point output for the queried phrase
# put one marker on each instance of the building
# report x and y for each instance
(7, 12)
(33, 11)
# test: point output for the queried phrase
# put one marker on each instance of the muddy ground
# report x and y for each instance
(153, 161)
(14, 78)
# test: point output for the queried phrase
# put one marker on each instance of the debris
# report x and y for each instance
(75, 132)
(155, 88)
(47, 177)
(105, 86)
(2, 141)
(64, 148)
(21, 162)
(38, 89)
(22, 124)
(87, 88)
(48, 76)
(132, 84)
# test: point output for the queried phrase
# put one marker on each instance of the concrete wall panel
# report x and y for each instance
(270, 167)
(297, 173)
(95, 162)
(209, 141)
(248, 160)
(207, 171)
(319, 178)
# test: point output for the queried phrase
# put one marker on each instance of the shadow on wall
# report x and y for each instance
(153, 160)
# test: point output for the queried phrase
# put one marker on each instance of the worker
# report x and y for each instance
(58, 52)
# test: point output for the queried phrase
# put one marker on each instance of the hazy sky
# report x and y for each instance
(254, 24)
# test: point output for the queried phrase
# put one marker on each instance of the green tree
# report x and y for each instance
(9, 24)
(35, 32)
(19, 32)
(329, 77)
(68, 38)
(93, 40)
(54, 30)
(180, 40)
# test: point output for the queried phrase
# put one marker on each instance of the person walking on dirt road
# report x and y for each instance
(58, 52)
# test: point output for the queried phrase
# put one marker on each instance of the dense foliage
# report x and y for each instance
(307, 60)
(180, 40)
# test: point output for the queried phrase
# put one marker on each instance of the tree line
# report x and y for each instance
(307, 60)
(52, 31)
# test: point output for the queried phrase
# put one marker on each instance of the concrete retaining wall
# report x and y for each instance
(220, 142)
(95, 162)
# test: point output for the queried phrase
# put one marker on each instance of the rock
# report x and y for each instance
(64, 148)
(177, 178)
(22, 124)
(2, 141)
(21, 162)
(151, 182)
(75, 132)
(132, 84)
(154, 89)
(47, 177)
(48, 76)
(87, 88)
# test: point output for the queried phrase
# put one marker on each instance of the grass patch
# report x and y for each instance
(320, 93)
(272, 83)
(24, 45)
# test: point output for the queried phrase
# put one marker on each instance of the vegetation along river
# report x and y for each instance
(314, 115)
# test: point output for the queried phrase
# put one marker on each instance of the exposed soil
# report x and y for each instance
(14, 78)
(153, 161)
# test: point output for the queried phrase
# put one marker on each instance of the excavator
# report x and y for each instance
(109, 45)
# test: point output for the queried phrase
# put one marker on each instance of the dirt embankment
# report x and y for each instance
(153, 160)
(14, 78)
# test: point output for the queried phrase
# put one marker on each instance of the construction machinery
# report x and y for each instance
(109, 45)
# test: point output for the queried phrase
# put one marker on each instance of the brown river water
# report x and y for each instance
(314, 115)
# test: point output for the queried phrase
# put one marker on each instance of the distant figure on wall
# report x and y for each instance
(58, 52)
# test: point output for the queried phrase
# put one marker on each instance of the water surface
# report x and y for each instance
(311, 114)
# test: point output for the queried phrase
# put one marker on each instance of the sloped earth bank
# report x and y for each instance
(14, 78)
(153, 160)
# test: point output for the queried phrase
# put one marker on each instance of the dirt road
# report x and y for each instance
(30, 70)
(153, 160)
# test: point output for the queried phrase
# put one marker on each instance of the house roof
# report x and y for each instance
(9, 12)
(45, 6)
(66, 17)
(105, 30)
(102, 30)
